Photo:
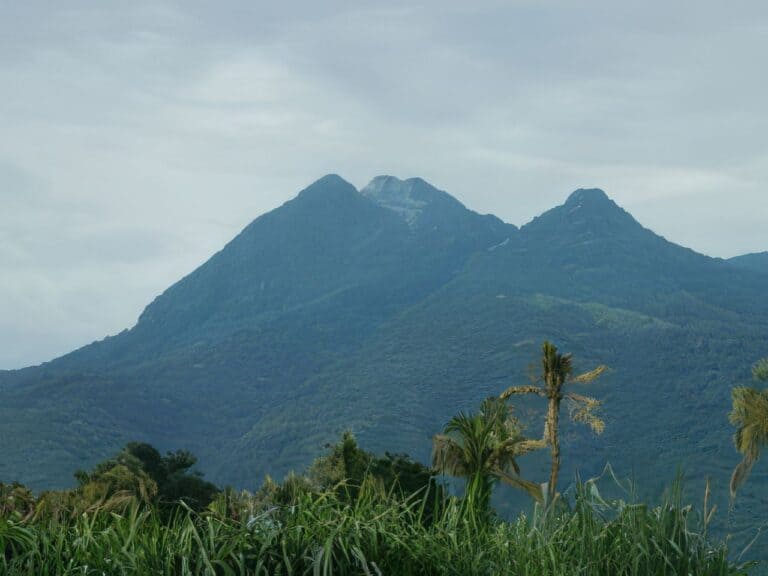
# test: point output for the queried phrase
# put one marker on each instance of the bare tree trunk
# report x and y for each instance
(551, 437)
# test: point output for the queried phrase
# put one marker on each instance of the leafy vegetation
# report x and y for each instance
(750, 417)
(482, 448)
(353, 512)
(142, 471)
(300, 528)
(347, 467)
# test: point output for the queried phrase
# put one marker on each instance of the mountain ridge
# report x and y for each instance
(757, 261)
(336, 311)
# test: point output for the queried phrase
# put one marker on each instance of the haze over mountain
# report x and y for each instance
(387, 311)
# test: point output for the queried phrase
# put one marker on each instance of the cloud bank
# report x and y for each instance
(138, 139)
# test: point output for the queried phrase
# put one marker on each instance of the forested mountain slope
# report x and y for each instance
(387, 311)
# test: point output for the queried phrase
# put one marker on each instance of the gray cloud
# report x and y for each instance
(138, 139)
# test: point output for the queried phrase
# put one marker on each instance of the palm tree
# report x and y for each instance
(750, 417)
(482, 448)
(557, 371)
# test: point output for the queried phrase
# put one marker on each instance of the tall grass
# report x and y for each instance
(323, 534)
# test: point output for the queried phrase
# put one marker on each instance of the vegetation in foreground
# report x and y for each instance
(353, 512)
(350, 513)
(293, 529)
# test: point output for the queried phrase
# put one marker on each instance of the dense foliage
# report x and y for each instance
(351, 513)
(378, 532)
(141, 470)
(482, 448)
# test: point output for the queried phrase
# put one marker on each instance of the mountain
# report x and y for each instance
(757, 262)
(387, 311)
(228, 345)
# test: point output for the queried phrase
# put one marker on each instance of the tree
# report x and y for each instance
(116, 487)
(346, 466)
(749, 415)
(343, 468)
(140, 470)
(557, 372)
(482, 448)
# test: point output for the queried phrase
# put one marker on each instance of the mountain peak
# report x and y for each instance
(593, 202)
(591, 195)
(391, 188)
(329, 187)
(331, 179)
(406, 197)
(588, 212)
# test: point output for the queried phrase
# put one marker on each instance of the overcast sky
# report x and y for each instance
(136, 140)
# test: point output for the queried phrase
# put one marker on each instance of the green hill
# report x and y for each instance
(388, 310)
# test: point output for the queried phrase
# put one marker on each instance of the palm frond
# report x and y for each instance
(740, 474)
(515, 390)
(485, 444)
(556, 369)
(760, 370)
(503, 460)
(584, 409)
(448, 456)
(750, 417)
(590, 376)
(527, 446)
(533, 489)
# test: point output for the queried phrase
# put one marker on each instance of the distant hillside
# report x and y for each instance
(387, 311)
(757, 262)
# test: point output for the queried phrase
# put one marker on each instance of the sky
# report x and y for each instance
(137, 138)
